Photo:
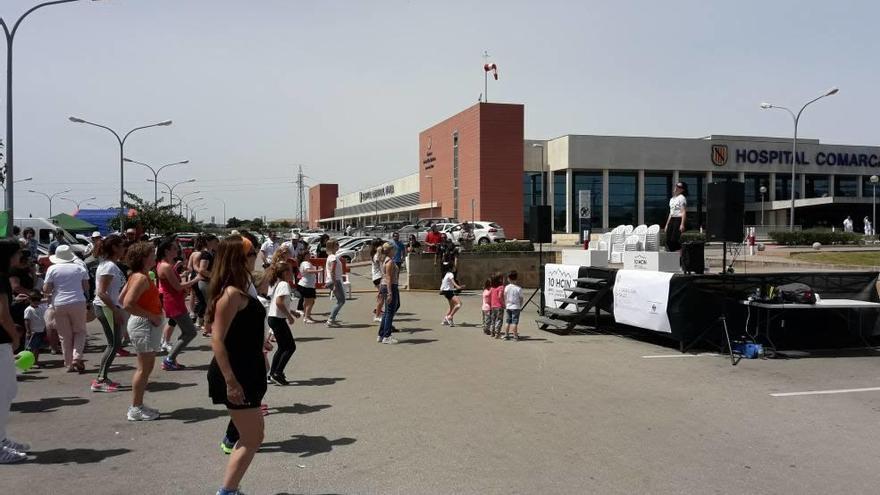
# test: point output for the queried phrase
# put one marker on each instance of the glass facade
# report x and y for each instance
(559, 201)
(753, 187)
(658, 190)
(816, 186)
(696, 199)
(623, 197)
(586, 181)
(846, 186)
(724, 177)
(783, 187)
(532, 192)
(868, 188)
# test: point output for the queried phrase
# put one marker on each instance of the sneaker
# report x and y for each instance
(224, 491)
(278, 380)
(8, 456)
(9, 443)
(226, 446)
(166, 346)
(142, 413)
(309, 320)
(450, 322)
(333, 323)
(264, 408)
(379, 339)
(445, 322)
(123, 353)
(151, 409)
(389, 340)
(298, 313)
(268, 380)
(104, 386)
(377, 319)
(169, 365)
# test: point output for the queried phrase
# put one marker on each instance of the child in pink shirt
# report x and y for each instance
(496, 304)
(487, 306)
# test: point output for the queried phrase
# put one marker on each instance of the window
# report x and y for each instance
(658, 189)
(622, 199)
(817, 186)
(725, 177)
(868, 188)
(532, 195)
(586, 181)
(559, 201)
(455, 175)
(753, 187)
(846, 186)
(696, 198)
(783, 187)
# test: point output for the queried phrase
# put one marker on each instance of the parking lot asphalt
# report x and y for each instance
(450, 411)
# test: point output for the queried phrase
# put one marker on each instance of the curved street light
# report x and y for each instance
(78, 203)
(796, 118)
(121, 140)
(155, 174)
(10, 37)
(50, 197)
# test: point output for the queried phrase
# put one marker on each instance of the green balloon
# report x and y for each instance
(25, 360)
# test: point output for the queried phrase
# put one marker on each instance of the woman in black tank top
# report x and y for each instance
(237, 374)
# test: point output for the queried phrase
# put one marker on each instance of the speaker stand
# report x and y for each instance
(540, 288)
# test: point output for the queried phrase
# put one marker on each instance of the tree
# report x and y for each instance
(257, 223)
(234, 223)
(156, 218)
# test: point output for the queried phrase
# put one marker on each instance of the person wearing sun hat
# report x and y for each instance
(66, 286)
(675, 223)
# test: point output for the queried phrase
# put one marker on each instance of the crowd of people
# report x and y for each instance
(140, 291)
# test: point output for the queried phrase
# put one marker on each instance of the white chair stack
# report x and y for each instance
(632, 243)
(652, 238)
(642, 232)
(618, 243)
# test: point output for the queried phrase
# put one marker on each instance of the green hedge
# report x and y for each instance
(808, 237)
(499, 247)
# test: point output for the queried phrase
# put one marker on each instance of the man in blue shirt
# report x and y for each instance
(399, 249)
(57, 241)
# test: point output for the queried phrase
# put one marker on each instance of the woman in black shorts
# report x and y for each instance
(237, 374)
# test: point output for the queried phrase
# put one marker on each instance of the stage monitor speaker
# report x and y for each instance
(539, 224)
(725, 211)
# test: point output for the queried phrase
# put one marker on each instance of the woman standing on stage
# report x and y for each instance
(675, 223)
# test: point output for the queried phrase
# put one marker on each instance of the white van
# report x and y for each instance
(45, 232)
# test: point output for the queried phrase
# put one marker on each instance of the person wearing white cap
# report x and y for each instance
(95, 246)
(66, 285)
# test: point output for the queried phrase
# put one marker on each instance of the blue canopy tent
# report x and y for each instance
(100, 218)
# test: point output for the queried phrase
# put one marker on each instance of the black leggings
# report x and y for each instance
(232, 435)
(286, 345)
(673, 234)
(201, 305)
(114, 340)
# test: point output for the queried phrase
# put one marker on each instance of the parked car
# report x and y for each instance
(484, 232)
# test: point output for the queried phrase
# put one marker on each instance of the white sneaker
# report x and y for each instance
(332, 323)
(17, 446)
(167, 347)
(450, 322)
(141, 414)
(378, 319)
(389, 340)
(8, 456)
(445, 322)
(379, 339)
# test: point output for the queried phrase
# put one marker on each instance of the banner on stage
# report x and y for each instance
(640, 299)
(557, 278)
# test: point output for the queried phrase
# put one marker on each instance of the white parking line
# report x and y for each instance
(827, 392)
(659, 356)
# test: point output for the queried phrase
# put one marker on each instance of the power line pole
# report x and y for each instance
(301, 187)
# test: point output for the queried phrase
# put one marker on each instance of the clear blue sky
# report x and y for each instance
(343, 87)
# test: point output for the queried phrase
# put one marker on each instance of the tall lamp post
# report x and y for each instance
(191, 204)
(541, 244)
(18, 181)
(796, 118)
(50, 197)
(78, 203)
(874, 180)
(121, 140)
(224, 209)
(171, 187)
(763, 193)
(200, 208)
(155, 174)
(10, 37)
(180, 199)
(431, 180)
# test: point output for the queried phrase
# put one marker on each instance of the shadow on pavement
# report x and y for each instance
(415, 330)
(196, 414)
(30, 377)
(315, 382)
(312, 339)
(416, 341)
(76, 456)
(305, 445)
(50, 404)
(355, 325)
(526, 338)
(167, 386)
(298, 409)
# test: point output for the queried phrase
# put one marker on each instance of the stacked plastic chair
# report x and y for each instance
(652, 238)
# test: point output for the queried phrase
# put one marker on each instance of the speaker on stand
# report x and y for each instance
(725, 209)
(540, 232)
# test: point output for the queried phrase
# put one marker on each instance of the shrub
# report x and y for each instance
(504, 247)
(808, 237)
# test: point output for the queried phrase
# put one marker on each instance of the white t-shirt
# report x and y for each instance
(513, 296)
(333, 276)
(280, 289)
(307, 280)
(109, 268)
(36, 317)
(67, 279)
(377, 267)
(268, 248)
(677, 205)
(448, 282)
(293, 247)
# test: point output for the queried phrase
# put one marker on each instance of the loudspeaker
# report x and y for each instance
(693, 257)
(539, 224)
(725, 211)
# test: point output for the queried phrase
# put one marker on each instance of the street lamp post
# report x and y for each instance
(171, 187)
(18, 181)
(50, 197)
(190, 205)
(874, 180)
(431, 180)
(180, 199)
(78, 203)
(155, 174)
(541, 244)
(121, 140)
(196, 211)
(796, 118)
(763, 192)
(10, 37)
